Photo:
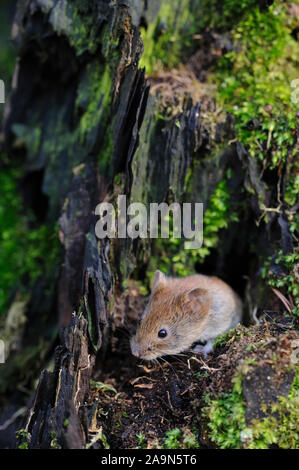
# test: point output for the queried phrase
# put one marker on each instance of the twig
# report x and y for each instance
(284, 300)
(12, 419)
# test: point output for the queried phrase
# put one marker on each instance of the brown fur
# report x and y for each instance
(190, 309)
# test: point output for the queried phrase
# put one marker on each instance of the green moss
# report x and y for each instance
(85, 139)
(254, 83)
(226, 420)
(170, 38)
(288, 282)
(81, 29)
(106, 154)
(90, 133)
(23, 436)
(162, 39)
(180, 439)
(172, 438)
(94, 96)
(223, 339)
(283, 430)
(26, 253)
(30, 137)
(217, 216)
(140, 440)
(172, 255)
(84, 35)
(66, 423)
(220, 16)
(110, 44)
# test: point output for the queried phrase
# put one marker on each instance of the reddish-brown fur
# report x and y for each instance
(190, 309)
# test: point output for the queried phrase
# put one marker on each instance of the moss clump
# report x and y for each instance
(23, 436)
(225, 338)
(81, 29)
(220, 16)
(254, 83)
(226, 417)
(227, 426)
(216, 217)
(180, 439)
(25, 253)
(84, 34)
(289, 282)
(94, 95)
(172, 255)
(170, 37)
(162, 39)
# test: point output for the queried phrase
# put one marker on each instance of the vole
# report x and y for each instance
(182, 311)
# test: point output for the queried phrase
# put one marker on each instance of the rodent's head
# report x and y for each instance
(172, 320)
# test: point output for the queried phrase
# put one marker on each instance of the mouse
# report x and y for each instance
(184, 311)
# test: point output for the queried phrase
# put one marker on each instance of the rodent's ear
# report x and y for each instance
(159, 281)
(197, 301)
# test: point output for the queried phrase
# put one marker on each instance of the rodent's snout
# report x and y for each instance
(136, 350)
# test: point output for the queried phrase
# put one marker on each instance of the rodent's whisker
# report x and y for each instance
(172, 368)
(177, 359)
(157, 362)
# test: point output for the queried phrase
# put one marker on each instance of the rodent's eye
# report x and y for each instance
(162, 334)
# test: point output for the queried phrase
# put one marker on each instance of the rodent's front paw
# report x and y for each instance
(204, 350)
